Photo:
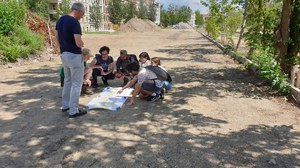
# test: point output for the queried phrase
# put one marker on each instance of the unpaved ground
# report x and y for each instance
(216, 116)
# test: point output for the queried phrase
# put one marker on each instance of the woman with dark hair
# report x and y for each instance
(155, 61)
(103, 65)
(145, 81)
(144, 60)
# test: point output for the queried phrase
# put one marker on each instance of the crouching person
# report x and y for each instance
(123, 60)
(86, 74)
(102, 65)
(147, 83)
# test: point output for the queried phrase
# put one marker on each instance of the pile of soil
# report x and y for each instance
(182, 25)
(139, 25)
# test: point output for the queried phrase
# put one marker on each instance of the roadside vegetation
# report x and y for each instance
(16, 39)
(270, 31)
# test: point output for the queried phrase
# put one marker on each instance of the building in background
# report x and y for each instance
(205, 16)
(157, 19)
(193, 19)
(85, 21)
(106, 24)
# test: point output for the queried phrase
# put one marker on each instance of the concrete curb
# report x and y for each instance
(295, 92)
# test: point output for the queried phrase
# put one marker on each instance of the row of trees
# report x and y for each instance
(123, 11)
(174, 15)
(271, 29)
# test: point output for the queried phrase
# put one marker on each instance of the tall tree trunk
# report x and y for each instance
(245, 14)
(294, 47)
(283, 34)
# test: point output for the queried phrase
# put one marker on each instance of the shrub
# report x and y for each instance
(19, 44)
(270, 70)
(11, 15)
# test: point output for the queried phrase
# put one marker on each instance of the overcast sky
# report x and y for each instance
(193, 4)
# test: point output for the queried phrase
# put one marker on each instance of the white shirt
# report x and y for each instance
(146, 74)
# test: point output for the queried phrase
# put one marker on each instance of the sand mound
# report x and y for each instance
(182, 25)
(139, 25)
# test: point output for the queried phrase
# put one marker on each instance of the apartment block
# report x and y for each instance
(85, 21)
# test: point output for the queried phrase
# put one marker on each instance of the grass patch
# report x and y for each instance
(18, 45)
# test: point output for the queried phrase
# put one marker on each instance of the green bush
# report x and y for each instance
(270, 70)
(20, 44)
(12, 14)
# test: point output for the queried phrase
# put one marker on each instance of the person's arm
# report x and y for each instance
(78, 40)
(94, 66)
(129, 84)
(136, 91)
(118, 64)
(110, 68)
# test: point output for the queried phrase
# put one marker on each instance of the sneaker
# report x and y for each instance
(162, 94)
(80, 113)
(64, 110)
(104, 81)
(154, 98)
(95, 85)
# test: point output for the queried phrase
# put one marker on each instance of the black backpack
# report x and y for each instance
(161, 74)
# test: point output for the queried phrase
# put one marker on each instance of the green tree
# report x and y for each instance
(63, 8)
(212, 27)
(262, 20)
(175, 14)
(183, 14)
(152, 12)
(218, 10)
(129, 10)
(115, 11)
(12, 15)
(142, 13)
(232, 23)
(287, 35)
(243, 3)
(96, 14)
(199, 18)
(38, 6)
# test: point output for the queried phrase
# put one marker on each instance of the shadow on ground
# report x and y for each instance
(160, 134)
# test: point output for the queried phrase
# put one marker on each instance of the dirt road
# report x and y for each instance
(216, 116)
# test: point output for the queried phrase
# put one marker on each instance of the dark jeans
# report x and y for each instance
(97, 72)
(150, 86)
(126, 77)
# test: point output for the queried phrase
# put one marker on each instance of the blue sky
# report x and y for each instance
(193, 4)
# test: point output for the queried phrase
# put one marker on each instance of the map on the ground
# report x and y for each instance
(110, 99)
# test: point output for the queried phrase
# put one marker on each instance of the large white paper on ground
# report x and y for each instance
(110, 99)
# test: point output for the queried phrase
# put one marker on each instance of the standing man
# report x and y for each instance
(68, 36)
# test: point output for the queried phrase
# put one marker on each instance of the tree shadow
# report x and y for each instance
(161, 134)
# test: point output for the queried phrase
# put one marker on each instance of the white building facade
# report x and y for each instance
(193, 20)
(86, 26)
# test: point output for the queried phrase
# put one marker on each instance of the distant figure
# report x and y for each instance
(102, 65)
(144, 60)
(123, 60)
(68, 38)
